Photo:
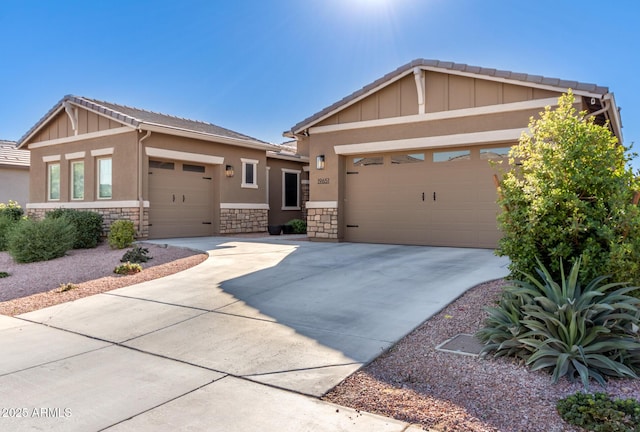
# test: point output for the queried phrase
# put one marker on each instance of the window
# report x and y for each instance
(53, 181)
(407, 158)
(366, 161)
(193, 168)
(494, 153)
(249, 173)
(161, 164)
(104, 178)
(452, 156)
(290, 189)
(77, 180)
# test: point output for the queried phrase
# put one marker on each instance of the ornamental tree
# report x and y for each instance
(569, 192)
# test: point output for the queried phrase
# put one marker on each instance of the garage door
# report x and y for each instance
(439, 198)
(180, 199)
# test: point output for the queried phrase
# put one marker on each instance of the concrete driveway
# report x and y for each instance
(246, 340)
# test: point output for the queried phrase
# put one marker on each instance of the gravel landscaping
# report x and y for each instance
(33, 286)
(451, 392)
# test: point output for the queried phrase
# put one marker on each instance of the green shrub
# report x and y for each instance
(88, 226)
(586, 332)
(128, 268)
(299, 226)
(4, 274)
(31, 241)
(7, 222)
(136, 255)
(568, 194)
(598, 412)
(121, 234)
(12, 210)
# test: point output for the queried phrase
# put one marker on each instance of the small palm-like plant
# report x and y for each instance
(586, 332)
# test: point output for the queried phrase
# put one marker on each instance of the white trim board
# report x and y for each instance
(441, 115)
(76, 138)
(87, 204)
(184, 156)
(498, 136)
(244, 206)
(321, 204)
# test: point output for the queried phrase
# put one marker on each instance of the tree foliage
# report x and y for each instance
(569, 194)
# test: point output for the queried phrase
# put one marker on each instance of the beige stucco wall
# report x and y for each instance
(124, 166)
(277, 216)
(15, 184)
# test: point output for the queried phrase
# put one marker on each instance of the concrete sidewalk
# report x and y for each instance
(248, 339)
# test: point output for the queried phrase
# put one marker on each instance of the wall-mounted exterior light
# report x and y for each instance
(320, 162)
(228, 170)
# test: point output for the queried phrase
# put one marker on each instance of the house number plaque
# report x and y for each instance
(323, 180)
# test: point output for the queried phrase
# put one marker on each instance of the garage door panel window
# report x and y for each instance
(161, 165)
(193, 168)
(249, 173)
(290, 189)
(494, 153)
(53, 182)
(368, 161)
(77, 180)
(452, 156)
(104, 178)
(407, 158)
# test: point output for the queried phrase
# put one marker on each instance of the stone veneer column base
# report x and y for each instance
(236, 221)
(109, 215)
(322, 223)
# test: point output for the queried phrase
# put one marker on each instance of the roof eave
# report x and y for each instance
(170, 130)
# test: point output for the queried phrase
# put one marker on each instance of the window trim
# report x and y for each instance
(246, 162)
(98, 160)
(73, 179)
(49, 166)
(286, 171)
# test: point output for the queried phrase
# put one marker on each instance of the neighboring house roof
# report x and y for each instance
(10, 155)
(142, 119)
(287, 151)
(579, 88)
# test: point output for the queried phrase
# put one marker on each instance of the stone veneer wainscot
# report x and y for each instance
(109, 215)
(236, 220)
(322, 223)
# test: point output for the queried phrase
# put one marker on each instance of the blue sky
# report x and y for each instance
(258, 67)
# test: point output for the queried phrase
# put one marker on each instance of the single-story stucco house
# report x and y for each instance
(172, 176)
(406, 158)
(14, 174)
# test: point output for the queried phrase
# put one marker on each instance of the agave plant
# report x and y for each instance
(589, 332)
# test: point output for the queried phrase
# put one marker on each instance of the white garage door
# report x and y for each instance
(427, 197)
(180, 199)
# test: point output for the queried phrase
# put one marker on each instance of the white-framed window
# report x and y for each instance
(249, 173)
(290, 189)
(104, 178)
(77, 180)
(53, 181)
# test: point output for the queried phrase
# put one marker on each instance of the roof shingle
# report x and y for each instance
(10, 155)
(137, 117)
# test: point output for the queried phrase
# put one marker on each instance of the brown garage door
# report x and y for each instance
(431, 197)
(180, 199)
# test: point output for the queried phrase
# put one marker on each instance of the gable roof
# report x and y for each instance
(10, 155)
(579, 88)
(142, 119)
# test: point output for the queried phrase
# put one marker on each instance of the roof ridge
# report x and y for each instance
(146, 110)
